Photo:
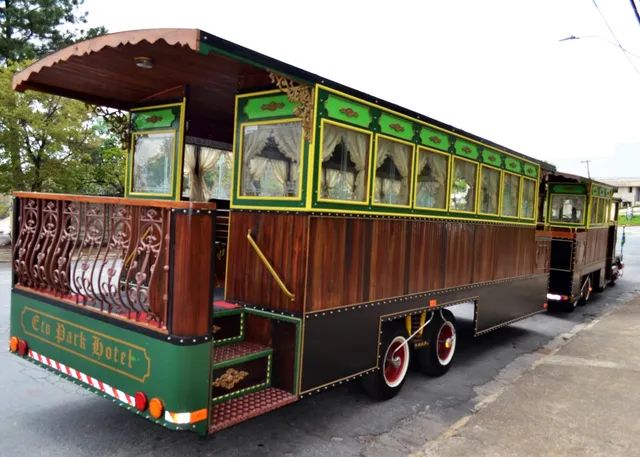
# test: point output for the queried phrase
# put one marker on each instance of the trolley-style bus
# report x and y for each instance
(582, 217)
(350, 228)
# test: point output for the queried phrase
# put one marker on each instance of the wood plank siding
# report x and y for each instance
(351, 260)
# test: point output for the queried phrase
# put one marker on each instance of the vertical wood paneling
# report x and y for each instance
(459, 254)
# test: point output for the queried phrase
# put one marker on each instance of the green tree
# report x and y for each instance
(32, 28)
(53, 144)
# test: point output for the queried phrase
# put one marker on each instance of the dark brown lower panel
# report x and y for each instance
(343, 343)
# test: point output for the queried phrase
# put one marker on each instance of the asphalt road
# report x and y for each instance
(44, 415)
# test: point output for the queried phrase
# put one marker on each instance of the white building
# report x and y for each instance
(628, 190)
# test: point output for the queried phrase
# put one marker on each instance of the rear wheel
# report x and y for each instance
(585, 292)
(394, 352)
(436, 358)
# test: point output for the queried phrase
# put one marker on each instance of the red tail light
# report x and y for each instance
(23, 348)
(141, 401)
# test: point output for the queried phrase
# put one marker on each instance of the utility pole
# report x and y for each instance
(588, 171)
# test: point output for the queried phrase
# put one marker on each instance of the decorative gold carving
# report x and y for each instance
(215, 329)
(349, 112)
(396, 127)
(230, 378)
(435, 139)
(466, 149)
(153, 119)
(302, 96)
(273, 106)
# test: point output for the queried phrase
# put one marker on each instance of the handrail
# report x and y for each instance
(268, 266)
(119, 200)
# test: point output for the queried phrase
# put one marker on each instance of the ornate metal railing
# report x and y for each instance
(110, 254)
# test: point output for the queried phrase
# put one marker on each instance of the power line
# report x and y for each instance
(635, 10)
(615, 37)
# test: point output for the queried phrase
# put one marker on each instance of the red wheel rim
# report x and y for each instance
(396, 361)
(446, 344)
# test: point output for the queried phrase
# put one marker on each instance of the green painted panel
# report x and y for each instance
(123, 358)
(603, 192)
(434, 138)
(530, 170)
(513, 165)
(348, 111)
(154, 119)
(467, 149)
(269, 106)
(578, 189)
(492, 158)
(396, 126)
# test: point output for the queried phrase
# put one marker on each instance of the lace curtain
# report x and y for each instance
(463, 187)
(357, 146)
(288, 139)
(510, 195)
(394, 191)
(195, 168)
(489, 191)
(431, 192)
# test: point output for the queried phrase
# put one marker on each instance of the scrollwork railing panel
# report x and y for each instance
(109, 256)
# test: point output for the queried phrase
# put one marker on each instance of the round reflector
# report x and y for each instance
(156, 408)
(141, 401)
(13, 343)
(23, 347)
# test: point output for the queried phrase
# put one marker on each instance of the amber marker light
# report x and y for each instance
(156, 408)
(13, 344)
(141, 401)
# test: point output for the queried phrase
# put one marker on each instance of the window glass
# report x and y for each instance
(345, 164)
(431, 190)
(567, 208)
(593, 217)
(463, 187)
(510, 193)
(489, 190)
(528, 199)
(209, 170)
(393, 172)
(602, 211)
(152, 167)
(271, 160)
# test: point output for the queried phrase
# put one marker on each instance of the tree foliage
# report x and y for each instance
(49, 143)
(32, 28)
(53, 144)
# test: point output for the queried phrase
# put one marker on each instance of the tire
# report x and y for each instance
(437, 357)
(386, 382)
(585, 294)
(570, 306)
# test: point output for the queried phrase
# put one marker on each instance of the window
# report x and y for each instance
(152, 166)
(463, 186)
(271, 156)
(207, 173)
(527, 210)
(602, 211)
(595, 204)
(345, 164)
(393, 172)
(568, 209)
(510, 194)
(432, 174)
(489, 190)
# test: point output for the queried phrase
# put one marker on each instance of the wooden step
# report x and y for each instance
(240, 409)
(243, 350)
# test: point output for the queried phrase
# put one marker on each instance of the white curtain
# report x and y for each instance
(288, 137)
(197, 161)
(357, 145)
(401, 156)
(332, 136)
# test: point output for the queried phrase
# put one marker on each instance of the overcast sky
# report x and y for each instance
(495, 68)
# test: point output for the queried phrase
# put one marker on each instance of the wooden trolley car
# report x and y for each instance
(582, 217)
(351, 227)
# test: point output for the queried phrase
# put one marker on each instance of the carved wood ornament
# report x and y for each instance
(230, 378)
(302, 96)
